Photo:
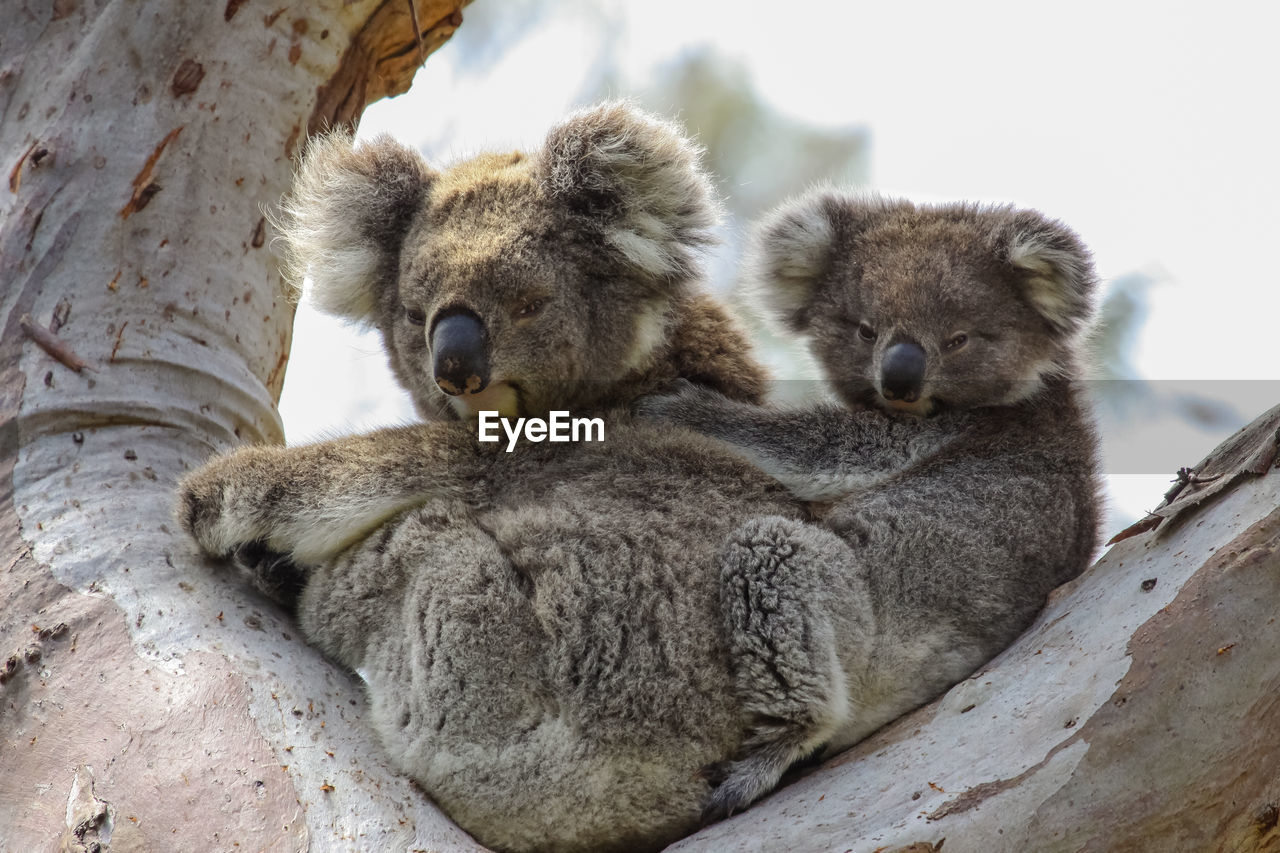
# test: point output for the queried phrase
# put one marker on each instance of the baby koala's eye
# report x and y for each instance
(955, 342)
(415, 316)
(866, 332)
(530, 308)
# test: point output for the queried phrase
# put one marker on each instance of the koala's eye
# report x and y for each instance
(955, 342)
(529, 309)
(415, 316)
(866, 332)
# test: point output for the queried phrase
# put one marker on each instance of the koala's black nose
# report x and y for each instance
(460, 353)
(902, 372)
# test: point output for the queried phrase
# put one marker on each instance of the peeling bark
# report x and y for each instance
(381, 59)
(146, 703)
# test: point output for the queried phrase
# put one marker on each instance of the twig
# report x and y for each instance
(417, 32)
(119, 338)
(1150, 522)
(52, 344)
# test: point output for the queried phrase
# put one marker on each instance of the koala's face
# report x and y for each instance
(510, 282)
(925, 316)
(922, 309)
(502, 304)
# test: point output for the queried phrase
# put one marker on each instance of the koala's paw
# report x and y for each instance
(740, 783)
(205, 508)
(199, 510)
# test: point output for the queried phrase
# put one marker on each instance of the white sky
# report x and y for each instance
(1151, 128)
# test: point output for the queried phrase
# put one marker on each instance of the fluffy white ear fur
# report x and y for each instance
(642, 177)
(786, 256)
(345, 218)
(1061, 278)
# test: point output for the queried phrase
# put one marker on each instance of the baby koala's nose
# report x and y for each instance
(902, 372)
(460, 353)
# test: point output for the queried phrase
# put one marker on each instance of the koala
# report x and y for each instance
(955, 480)
(539, 631)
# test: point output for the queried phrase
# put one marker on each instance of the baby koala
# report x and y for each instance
(956, 485)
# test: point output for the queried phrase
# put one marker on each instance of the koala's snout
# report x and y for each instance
(902, 371)
(460, 353)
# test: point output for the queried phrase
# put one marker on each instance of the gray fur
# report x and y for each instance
(583, 647)
(539, 630)
(946, 520)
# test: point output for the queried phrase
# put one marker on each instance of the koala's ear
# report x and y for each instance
(790, 252)
(636, 180)
(1058, 277)
(787, 255)
(346, 217)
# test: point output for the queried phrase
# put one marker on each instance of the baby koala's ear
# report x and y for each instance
(636, 181)
(790, 253)
(345, 219)
(1056, 270)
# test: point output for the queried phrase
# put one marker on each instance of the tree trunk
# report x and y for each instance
(1140, 713)
(145, 703)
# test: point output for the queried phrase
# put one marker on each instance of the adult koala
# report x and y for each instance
(540, 630)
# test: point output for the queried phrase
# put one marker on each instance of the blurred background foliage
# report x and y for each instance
(760, 155)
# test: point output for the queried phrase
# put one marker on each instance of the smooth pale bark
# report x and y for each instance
(146, 701)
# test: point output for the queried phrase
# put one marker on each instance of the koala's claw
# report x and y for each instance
(716, 772)
(271, 573)
(740, 789)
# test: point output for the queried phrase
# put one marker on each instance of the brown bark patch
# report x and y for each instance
(1183, 756)
(143, 186)
(187, 78)
(79, 695)
(275, 380)
(291, 143)
(382, 58)
(15, 174)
